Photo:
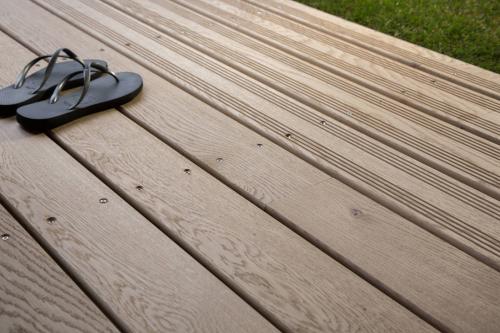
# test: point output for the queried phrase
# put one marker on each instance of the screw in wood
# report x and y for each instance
(5, 237)
(187, 171)
(103, 200)
(355, 212)
(51, 220)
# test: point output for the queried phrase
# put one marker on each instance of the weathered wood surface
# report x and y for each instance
(242, 244)
(465, 216)
(402, 83)
(145, 281)
(37, 295)
(412, 55)
(202, 62)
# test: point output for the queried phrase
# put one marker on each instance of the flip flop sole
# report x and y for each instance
(104, 93)
(11, 98)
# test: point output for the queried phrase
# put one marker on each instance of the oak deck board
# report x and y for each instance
(412, 55)
(353, 63)
(448, 208)
(153, 288)
(200, 135)
(246, 245)
(37, 295)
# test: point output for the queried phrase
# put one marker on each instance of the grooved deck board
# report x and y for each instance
(37, 295)
(331, 95)
(443, 205)
(395, 81)
(338, 180)
(238, 240)
(412, 55)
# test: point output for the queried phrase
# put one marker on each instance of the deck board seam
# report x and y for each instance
(52, 253)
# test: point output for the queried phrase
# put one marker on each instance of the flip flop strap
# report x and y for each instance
(21, 78)
(87, 71)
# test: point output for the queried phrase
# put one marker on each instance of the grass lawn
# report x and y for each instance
(468, 30)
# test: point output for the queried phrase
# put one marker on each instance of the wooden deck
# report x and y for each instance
(283, 170)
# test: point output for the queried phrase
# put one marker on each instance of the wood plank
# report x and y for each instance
(154, 288)
(411, 88)
(482, 172)
(446, 207)
(250, 250)
(146, 281)
(37, 295)
(418, 269)
(467, 75)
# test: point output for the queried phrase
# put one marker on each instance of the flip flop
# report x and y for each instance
(103, 93)
(39, 85)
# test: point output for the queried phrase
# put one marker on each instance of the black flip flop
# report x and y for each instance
(39, 85)
(103, 93)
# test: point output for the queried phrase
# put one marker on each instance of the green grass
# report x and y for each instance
(468, 30)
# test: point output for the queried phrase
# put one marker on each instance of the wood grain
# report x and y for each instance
(243, 243)
(146, 281)
(442, 205)
(391, 79)
(419, 269)
(467, 75)
(37, 296)
(333, 96)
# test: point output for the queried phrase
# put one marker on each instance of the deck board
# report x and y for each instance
(376, 73)
(412, 55)
(278, 181)
(232, 236)
(317, 230)
(37, 295)
(443, 205)
(156, 288)
(473, 167)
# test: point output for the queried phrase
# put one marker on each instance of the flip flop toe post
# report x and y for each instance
(96, 95)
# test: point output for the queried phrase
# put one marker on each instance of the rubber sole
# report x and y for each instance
(104, 93)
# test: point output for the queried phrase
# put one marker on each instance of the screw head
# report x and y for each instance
(103, 200)
(51, 220)
(323, 122)
(187, 171)
(139, 187)
(5, 237)
(260, 145)
(219, 159)
(288, 135)
(355, 212)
